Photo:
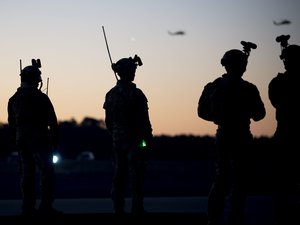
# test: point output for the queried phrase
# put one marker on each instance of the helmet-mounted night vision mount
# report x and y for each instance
(126, 65)
(283, 40)
(236, 55)
(247, 46)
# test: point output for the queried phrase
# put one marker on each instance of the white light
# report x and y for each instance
(55, 159)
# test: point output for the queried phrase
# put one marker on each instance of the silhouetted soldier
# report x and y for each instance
(231, 102)
(127, 120)
(34, 126)
(284, 96)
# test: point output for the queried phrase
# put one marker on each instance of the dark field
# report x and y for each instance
(92, 179)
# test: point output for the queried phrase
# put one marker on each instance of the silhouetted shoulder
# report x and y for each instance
(140, 94)
(204, 108)
(279, 78)
(250, 86)
(44, 96)
(275, 84)
(215, 82)
(210, 87)
(110, 92)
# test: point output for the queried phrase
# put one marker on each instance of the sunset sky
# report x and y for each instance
(67, 36)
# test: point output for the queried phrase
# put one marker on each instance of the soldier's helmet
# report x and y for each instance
(31, 74)
(291, 52)
(125, 67)
(234, 57)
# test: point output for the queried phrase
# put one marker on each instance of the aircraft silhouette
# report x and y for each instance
(180, 32)
(282, 22)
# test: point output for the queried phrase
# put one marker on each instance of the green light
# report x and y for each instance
(143, 144)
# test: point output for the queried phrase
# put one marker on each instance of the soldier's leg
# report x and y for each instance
(120, 177)
(47, 185)
(27, 169)
(219, 191)
(238, 198)
(138, 166)
(293, 191)
(281, 181)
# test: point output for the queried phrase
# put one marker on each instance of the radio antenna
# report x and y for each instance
(20, 65)
(47, 86)
(108, 50)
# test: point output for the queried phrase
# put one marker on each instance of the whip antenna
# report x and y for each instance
(47, 86)
(20, 65)
(108, 50)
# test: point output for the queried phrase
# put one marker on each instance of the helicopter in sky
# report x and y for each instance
(282, 22)
(179, 32)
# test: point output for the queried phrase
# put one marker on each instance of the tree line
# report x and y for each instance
(91, 135)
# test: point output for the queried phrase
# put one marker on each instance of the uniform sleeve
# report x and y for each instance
(11, 119)
(273, 91)
(258, 108)
(52, 123)
(108, 114)
(143, 122)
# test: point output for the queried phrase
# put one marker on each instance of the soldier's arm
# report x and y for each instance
(274, 90)
(204, 103)
(11, 120)
(52, 123)
(258, 109)
(143, 122)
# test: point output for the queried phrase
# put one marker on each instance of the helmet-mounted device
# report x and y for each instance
(238, 56)
(126, 65)
(287, 50)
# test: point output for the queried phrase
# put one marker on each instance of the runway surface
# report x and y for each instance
(161, 210)
(175, 193)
